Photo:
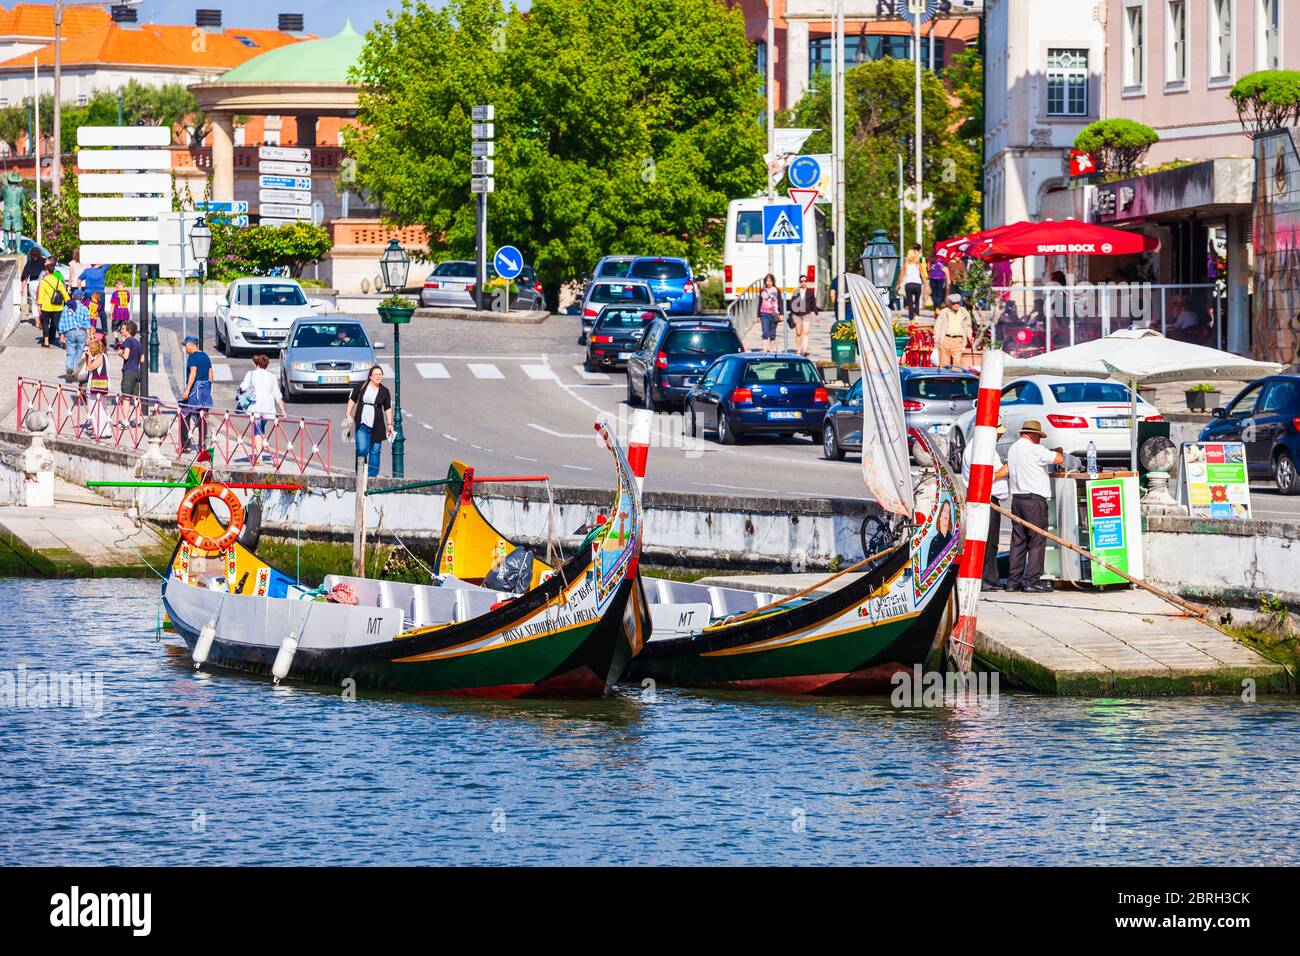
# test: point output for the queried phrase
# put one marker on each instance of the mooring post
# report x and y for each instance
(359, 526)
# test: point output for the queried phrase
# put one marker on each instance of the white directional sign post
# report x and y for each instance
(284, 185)
(483, 171)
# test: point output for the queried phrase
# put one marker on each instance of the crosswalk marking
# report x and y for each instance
(540, 372)
(591, 376)
(387, 369)
(432, 370)
(485, 371)
(221, 372)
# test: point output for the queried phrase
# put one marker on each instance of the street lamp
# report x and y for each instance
(880, 261)
(394, 267)
(201, 247)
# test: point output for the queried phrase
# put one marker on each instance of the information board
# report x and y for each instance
(1215, 483)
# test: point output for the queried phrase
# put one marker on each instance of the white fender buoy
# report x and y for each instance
(203, 646)
(284, 657)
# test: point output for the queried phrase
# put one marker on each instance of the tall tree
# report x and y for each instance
(621, 125)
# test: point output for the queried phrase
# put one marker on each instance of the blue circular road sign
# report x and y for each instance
(508, 262)
(805, 173)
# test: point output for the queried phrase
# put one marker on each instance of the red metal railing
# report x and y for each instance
(114, 420)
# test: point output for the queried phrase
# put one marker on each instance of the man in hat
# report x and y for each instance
(953, 331)
(999, 494)
(1030, 487)
(74, 329)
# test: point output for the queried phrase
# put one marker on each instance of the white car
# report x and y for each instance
(258, 312)
(1073, 412)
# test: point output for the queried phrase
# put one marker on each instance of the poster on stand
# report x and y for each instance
(1215, 483)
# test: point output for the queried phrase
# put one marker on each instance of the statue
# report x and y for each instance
(15, 198)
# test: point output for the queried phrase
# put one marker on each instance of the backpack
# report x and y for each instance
(247, 395)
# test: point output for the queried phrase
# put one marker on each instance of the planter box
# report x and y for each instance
(843, 353)
(395, 316)
(1201, 401)
(900, 344)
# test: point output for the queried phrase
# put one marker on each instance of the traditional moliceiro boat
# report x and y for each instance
(569, 630)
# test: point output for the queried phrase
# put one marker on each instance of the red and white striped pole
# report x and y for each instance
(970, 575)
(638, 444)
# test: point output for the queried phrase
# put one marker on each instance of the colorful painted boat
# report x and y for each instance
(571, 633)
(848, 641)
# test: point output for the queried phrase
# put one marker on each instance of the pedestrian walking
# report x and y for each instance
(51, 297)
(953, 332)
(1030, 486)
(98, 320)
(770, 308)
(120, 303)
(999, 494)
(370, 411)
(938, 283)
(260, 390)
(196, 397)
(93, 284)
(101, 416)
(131, 352)
(803, 307)
(910, 282)
(33, 269)
(74, 327)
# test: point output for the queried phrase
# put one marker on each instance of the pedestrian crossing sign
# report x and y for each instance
(783, 225)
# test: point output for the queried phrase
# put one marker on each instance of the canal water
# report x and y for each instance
(178, 767)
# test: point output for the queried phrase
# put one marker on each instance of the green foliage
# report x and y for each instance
(619, 123)
(879, 124)
(1267, 100)
(1116, 145)
(1203, 387)
(399, 302)
(60, 219)
(965, 77)
(168, 105)
(978, 286)
(295, 246)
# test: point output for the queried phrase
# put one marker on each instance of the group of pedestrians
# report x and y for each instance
(799, 312)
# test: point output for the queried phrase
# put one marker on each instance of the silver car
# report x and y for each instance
(450, 284)
(933, 399)
(325, 357)
(602, 292)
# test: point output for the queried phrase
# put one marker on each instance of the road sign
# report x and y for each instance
(482, 184)
(482, 148)
(483, 167)
(482, 114)
(222, 205)
(159, 183)
(176, 258)
(118, 230)
(804, 197)
(144, 254)
(297, 197)
(805, 172)
(288, 154)
(782, 225)
(240, 219)
(91, 207)
(286, 211)
(922, 10)
(282, 182)
(508, 262)
(124, 159)
(277, 168)
(483, 131)
(137, 136)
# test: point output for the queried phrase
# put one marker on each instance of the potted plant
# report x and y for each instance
(844, 343)
(902, 335)
(1202, 397)
(397, 310)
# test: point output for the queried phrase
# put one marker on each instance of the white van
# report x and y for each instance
(744, 258)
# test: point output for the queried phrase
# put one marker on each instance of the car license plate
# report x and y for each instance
(690, 380)
(1112, 423)
(624, 356)
(331, 379)
(780, 416)
(939, 429)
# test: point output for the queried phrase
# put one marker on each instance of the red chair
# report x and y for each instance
(920, 347)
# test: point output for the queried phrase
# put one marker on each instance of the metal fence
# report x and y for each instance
(1029, 320)
(115, 420)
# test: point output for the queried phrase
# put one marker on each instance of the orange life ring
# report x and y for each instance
(185, 517)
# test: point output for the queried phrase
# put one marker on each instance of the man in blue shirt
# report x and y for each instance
(196, 396)
(92, 280)
(74, 323)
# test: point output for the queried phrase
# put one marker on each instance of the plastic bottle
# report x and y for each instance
(1092, 459)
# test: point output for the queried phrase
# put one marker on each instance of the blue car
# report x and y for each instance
(758, 392)
(674, 286)
(674, 355)
(1265, 416)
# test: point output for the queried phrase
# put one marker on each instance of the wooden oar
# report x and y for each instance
(1178, 602)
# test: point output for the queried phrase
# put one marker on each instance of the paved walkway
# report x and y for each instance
(1088, 643)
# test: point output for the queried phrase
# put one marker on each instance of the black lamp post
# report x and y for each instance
(394, 266)
(880, 261)
(201, 247)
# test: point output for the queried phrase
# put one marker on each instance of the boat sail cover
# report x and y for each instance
(885, 466)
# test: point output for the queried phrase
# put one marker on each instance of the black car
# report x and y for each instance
(674, 354)
(758, 392)
(1265, 416)
(616, 334)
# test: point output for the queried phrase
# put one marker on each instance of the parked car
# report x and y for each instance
(530, 297)
(674, 353)
(1265, 416)
(602, 292)
(450, 284)
(325, 356)
(757, 392)
(617, 333)
(258, 313)
(612, 267)
(933, 399)
(1073, 412)
(671, 281)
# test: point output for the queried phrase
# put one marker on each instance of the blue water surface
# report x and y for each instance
(193, 768)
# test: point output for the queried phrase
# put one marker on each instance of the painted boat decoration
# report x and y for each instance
(849, 641)
(570, 633)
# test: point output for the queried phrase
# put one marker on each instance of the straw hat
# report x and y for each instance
(1033, 427)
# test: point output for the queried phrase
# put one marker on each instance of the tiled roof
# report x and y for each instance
(157, 45)
(37, 20)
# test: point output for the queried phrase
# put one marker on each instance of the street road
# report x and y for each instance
(514, 399)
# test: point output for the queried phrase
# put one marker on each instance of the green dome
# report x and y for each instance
(326, 60)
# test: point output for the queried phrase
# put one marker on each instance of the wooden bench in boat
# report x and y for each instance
(424, 605)
(679, 607)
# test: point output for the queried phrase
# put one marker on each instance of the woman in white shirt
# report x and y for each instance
(263, 388)
(910, 281)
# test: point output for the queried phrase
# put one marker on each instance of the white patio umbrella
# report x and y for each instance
(1142, 357)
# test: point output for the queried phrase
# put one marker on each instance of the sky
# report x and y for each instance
(323, 17)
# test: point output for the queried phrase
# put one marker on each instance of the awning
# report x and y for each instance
(1067, 237)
